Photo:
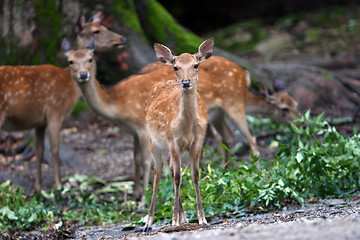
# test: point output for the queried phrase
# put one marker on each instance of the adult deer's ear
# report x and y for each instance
(65, 45)
(205, 50)
(97, 17)
(164, 54)
(80, 24)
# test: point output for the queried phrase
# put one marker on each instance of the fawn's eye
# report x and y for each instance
(96, 32)
(196, 66)
(285, 110)
(90, 60)
(71, 62)
(175, 68)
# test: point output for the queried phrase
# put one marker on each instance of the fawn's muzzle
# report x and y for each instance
(186, 83)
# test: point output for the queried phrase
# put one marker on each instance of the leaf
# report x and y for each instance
(32, 218)
(296, 129)
(299, 157)
(7, 212)
(5, 184)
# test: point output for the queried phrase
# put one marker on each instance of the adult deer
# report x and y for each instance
(123, 104)
(40, 97)
(176, 121)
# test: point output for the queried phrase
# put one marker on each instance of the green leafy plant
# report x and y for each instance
(86, 200)
(314, 160)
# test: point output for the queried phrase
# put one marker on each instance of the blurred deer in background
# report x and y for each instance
(176, 121)
(123, 104)
(41, 96)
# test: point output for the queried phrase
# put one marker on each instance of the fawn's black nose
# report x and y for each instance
(83, 75)
(186, 83)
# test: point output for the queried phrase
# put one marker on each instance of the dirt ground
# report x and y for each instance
(328, 219)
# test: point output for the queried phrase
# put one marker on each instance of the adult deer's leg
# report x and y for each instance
(54, 128)
(146, 163)
(39, 152)
(156, 155)
(195, 153)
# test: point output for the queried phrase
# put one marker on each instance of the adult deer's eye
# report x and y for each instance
(71, 62)
(90, 60)
(196, 66)
(175, 68)
(96, 32)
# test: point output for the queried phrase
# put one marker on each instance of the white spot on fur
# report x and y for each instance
(230, 74)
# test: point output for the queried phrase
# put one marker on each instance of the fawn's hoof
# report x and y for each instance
(147, 229)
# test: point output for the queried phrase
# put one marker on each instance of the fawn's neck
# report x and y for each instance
(188, 104)
(256, 104)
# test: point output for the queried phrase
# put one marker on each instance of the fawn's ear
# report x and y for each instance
(278, 85)
(267, 92)
(91, 46)
(164, 54)
(205, 50)
(65, 45)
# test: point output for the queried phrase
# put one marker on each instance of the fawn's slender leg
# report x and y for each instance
(183, 218)
(195, 153)
(156, 155)
(39, 152)
(54, 128)
(176, 161)
(239, 118)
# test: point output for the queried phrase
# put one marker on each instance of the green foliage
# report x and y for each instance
(242, 37)
(80, 106)
(84, 199)
(314, 161)
(9, 55)
(48, 19)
